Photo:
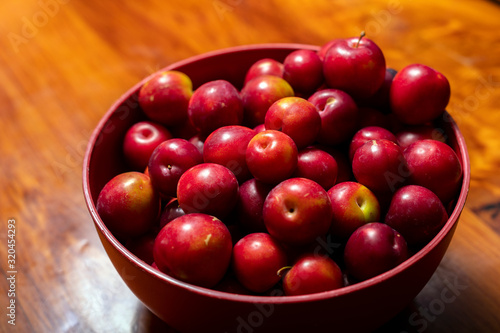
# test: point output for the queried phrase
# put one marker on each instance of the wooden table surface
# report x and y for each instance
(63, 63)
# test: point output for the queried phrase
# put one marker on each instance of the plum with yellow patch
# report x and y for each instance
(128, 204)
(164, 98)
(195, 248)
(259, 94)
(353, 205)
(296, 117)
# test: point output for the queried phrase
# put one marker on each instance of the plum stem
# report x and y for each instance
(282, 269)
(363, 34)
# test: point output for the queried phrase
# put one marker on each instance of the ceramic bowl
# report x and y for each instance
(360, 307)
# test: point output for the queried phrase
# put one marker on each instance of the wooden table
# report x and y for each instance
(62, 64)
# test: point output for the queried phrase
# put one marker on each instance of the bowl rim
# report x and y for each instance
(254, 299)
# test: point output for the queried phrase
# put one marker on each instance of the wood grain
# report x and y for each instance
(63, 62)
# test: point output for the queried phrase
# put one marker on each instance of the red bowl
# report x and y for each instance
(359, 307)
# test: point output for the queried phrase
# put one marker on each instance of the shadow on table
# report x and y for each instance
(146, 322)
(400, 323)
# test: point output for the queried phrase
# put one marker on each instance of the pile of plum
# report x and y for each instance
(323, 170)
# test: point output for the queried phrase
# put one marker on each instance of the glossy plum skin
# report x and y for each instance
(170, 212)
(208, 188)
(141, 140)
(312, 274)
(195, 248)
(325, 47)
(264, 66)
(417, 213)
(317, 165)
(339, 115)
(297, 118)
(344, 165)
(373, 249)
(380, 165)
(434, 165)
(251, 199)
(165, 97)
(198, 141)
(271, 156)
(257, 258)
(215, 104)
(419, 94)
(169, 161)
(128, 204)
(227, 146)
(303, 69)
(355, 66)
(353, 205)
(366, 134)
(297, 211)
(259, 94)
(259, 128)
(410, 134)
